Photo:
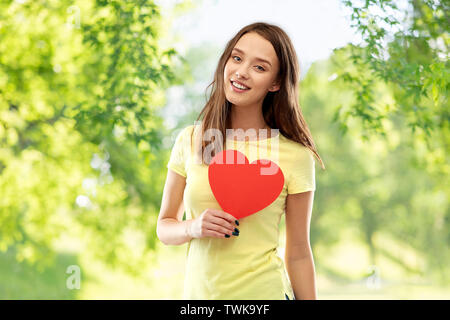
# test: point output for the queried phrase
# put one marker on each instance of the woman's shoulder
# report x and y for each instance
(185, 135)
(296, 150)
(185, 131)
(293, 145)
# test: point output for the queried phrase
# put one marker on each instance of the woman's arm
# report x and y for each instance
(298, 255)
(170, 228)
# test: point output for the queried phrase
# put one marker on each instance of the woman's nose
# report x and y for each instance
(241, 73)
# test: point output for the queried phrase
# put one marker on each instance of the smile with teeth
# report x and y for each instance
(237, 85)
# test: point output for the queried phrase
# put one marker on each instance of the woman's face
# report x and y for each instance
(257, 75)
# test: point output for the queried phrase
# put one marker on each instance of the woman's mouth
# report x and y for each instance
(237, 87)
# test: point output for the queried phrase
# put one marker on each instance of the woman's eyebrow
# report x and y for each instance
(259, 59)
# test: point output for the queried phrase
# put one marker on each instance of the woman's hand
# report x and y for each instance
(213, 223)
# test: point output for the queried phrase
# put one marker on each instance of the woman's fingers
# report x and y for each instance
(214, 223)
(226, 216)
(222, 222)
(217, 229)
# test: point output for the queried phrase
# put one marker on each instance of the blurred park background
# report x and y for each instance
(93, 94)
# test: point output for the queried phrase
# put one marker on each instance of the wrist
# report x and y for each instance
(188, 229)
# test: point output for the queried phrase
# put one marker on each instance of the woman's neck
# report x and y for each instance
(246, 118)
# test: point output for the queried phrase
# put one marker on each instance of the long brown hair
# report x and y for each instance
(281, 109)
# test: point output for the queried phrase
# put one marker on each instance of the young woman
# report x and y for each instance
(255, 88)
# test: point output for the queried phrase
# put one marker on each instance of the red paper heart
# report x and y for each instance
(242, 188)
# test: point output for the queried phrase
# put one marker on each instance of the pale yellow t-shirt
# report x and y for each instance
(245, 266)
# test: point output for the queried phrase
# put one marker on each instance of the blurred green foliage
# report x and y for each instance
(375, 188)
(393, 94)
(83, 146)
(81, 153)
(408, 49)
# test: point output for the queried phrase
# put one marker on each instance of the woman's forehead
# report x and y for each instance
(259, 48)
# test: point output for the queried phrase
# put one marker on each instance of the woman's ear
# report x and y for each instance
(275, 86)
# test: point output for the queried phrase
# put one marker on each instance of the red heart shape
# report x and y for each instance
(242, 188)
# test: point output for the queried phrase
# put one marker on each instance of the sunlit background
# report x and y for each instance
(93, 94)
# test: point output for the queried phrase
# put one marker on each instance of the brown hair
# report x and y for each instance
(281, 109)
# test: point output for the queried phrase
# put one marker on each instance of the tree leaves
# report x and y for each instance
(404, 59)
(77, 74)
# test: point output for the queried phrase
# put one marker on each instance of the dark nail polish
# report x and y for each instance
(236, 230)
(235, 234)
(237, 222)
(227, 236)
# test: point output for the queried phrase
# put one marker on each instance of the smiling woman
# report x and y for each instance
(255, 87)
(253, 65)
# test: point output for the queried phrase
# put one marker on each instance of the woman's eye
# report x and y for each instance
(262, 69)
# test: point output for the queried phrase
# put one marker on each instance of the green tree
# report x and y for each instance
(407, 48)
(80, 138)
(374, 188)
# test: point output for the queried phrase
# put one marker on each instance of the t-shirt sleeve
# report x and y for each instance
(302, 176)
(177, 160)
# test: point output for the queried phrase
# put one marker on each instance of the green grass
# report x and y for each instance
(340, 274)
(19, 280)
